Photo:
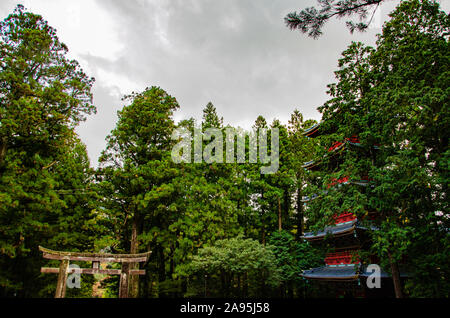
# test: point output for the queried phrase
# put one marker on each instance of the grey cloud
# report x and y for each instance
(238, 54)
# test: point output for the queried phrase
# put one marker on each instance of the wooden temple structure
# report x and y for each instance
(343, 273)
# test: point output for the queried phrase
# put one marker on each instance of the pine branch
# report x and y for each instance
(311, 20)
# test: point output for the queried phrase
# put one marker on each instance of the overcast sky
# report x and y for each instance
(238, 54)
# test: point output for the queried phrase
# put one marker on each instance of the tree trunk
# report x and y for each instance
(263, 214)
(395, 277)
(263, 235)
(239, 286)
(222, 282)
(286, 205)
(134, 248)
(279, 216)
(245, 285)
(3, 147)
(290, 290)
(299, 214)
(161, 268)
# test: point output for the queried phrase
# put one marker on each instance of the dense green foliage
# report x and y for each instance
(233, 267)
(225, 229)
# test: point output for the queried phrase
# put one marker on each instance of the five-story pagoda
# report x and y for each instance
(344, 234)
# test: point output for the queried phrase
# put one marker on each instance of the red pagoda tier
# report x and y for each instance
(338, 182)
(342, 258)
(335, 149)
(344, 218)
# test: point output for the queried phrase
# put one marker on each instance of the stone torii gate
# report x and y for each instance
(96, 258)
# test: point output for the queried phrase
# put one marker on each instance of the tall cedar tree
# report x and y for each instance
(44, 171)
(301, 150)
(136, 169)
(409, 113)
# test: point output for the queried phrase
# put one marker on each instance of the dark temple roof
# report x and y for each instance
(312, 131)
(332, 273)
(363, 183)
(332, 230)
(336, 230)
(343, 273)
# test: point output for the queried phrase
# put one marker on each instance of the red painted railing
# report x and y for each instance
(342, 258)
(344, 217)
(337, 144)
(336, 181)
(353, 139)
(334, 146)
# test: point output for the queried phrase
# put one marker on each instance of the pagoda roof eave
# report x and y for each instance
(343, 273)
(363, 183)
(314, 163)
(337, 231)
(313, 197)
(312, 131)
(310, 164)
